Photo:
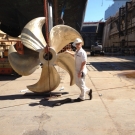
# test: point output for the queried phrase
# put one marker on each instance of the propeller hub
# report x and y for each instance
(46, 57)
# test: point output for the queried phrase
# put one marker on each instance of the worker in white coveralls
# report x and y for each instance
(80, 70)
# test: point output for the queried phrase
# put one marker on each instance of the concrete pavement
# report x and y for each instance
(110, 112)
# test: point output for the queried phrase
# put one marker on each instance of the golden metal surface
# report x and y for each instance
(49, 80)
(51, 61)
(32, 36)
(33, 39)
(61, 35)
(22, 64)
(67, 62)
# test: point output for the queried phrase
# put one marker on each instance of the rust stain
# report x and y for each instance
(129, 75)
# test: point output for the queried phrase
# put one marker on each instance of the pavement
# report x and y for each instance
(110, 112)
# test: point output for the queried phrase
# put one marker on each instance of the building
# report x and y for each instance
(114, 8)
(119, 31)
(91, 32)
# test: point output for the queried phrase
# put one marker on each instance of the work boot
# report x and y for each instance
(90, 94)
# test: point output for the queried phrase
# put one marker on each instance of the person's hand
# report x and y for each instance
(66, 51)
(69, 52)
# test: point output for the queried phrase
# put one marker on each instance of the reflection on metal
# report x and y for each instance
(22, 64)
(61, 35)
(66, 61)
(32, 38)
(43, 84)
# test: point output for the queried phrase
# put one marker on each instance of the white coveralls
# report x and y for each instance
(80, 57)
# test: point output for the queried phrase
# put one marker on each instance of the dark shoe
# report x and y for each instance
(90, 94)
(77, 100)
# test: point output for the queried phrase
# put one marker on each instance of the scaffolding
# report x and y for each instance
(119, 31)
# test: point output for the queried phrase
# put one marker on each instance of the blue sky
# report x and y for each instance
(95, 9)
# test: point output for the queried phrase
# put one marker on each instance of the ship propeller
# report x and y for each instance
(33, 39)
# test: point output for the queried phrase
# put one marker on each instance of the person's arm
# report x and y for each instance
(81, 69)
(84, 60)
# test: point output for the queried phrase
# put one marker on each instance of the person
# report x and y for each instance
(80, 70)
(96, 43)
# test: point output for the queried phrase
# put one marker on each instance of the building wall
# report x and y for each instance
(91, 32)
(119, 32)
(89, 39)
(114, 8)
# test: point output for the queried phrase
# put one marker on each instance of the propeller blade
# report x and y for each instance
(67, 62)
(62, 35)
(32, 36)
(49, 80)
(23, 64)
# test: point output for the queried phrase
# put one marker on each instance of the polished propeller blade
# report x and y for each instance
(23, 64)
(67, 62)
(62, 35)
(32, 36)
(49, 80)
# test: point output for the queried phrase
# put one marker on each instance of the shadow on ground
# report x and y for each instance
(55, 103)
(32, 95)
(112, 66)
(45, 99)
(8, 77)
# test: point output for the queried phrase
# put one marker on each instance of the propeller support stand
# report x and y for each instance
(47, 36)
(46, 22)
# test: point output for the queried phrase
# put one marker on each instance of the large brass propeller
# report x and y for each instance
(32, 38)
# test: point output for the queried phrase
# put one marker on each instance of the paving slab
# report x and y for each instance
(110, 112)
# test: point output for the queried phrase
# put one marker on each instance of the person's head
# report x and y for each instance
(78, 43)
